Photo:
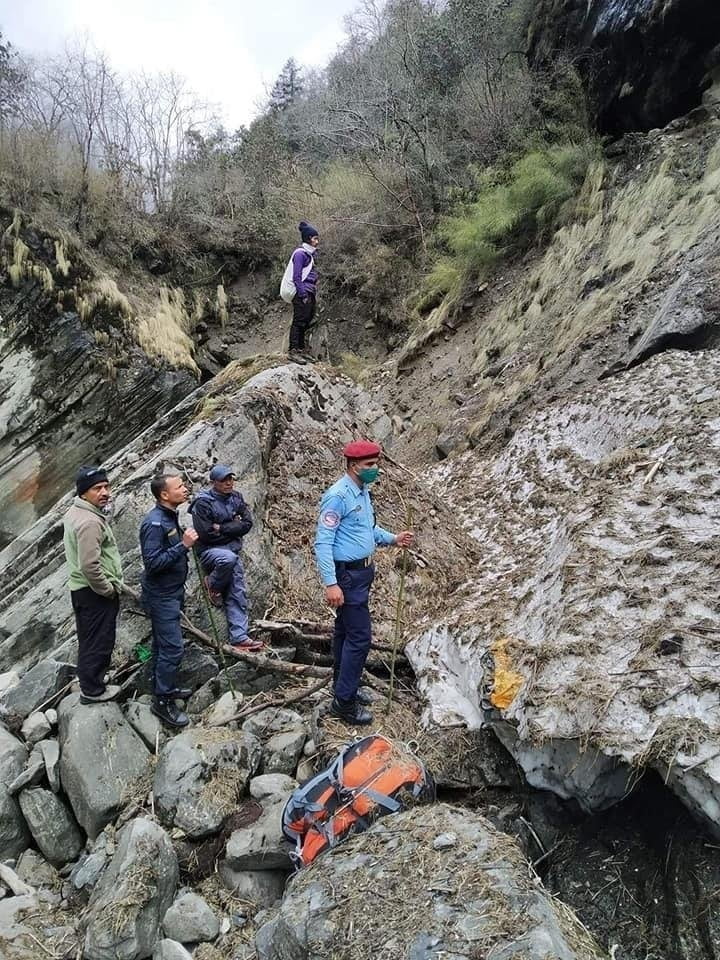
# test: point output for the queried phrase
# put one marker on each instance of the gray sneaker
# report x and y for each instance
(109, 693)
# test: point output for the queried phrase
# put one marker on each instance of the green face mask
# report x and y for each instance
(368, 474)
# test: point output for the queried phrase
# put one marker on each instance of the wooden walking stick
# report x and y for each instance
(399, 613)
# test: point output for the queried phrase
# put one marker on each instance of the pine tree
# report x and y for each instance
(288, 86)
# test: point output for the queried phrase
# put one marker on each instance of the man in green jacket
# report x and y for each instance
(95, 580)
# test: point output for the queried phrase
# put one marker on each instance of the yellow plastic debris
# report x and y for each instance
(507, 682)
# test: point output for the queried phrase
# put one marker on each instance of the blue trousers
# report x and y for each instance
(167, 646)
(227, 576)
(353, 630)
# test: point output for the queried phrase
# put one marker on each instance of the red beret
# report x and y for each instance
(361, 450)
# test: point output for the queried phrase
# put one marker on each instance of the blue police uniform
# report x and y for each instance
(165, 558)
(346, 538)
(219, 552)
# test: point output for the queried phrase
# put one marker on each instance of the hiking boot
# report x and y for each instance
(165, 709)
(363, 698)
(109, 693)
(214, 596)
(247, 644)
(350, 711)
(180, 693)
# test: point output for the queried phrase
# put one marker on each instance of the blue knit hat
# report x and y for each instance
(307, 231)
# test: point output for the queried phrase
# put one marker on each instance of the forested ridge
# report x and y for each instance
(427, 147)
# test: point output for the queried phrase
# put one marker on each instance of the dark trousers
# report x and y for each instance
(95, 620)
(353, 630)
(303, 314)
(165, 608)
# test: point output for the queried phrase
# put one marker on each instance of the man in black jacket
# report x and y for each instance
(164, 546)
(222, 518)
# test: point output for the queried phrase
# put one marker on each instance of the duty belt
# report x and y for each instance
(354, 564)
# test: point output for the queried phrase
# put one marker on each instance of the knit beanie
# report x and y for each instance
(307, 231)
(87, 477)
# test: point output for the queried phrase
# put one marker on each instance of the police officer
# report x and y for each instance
(222, 518)
(164, 546)
(344, 544)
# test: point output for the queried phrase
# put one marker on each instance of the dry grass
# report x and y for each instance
(385, 903)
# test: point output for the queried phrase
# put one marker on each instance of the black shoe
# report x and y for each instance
(167, 711)
(180, 693)
(364, 698)
(350, 711)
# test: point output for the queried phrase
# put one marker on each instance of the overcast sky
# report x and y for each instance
(230, 50)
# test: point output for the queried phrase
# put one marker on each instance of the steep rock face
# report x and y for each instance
(74, 388)
(588, 636)
(645, 61)
(282, 431)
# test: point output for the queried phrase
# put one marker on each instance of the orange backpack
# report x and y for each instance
(368, 779)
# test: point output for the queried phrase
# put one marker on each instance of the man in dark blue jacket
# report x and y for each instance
(222, 518)
(164, 546)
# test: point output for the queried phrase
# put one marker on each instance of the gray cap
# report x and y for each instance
(220, 471)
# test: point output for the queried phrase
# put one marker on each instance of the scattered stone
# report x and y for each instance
(35, 870)
(478, 891)
(283, 750)
(37, 686)
(225, 709)
(261, 845)
(143, 721)
(261, 887)
(170, 950)
(51, 716)
(101, 761)
(283, 734)
(52, 825)
(275, 785)
(35, 727)
(199, 776)
(190, 920)
(86, 872)
(50, 751)
(444, 841)
(128, 904)
(305, 770)
(246, 680)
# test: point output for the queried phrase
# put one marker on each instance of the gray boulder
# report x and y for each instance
(474, 897)
(102, 761)
(51, 756)
(260, 887)
(145, 723)
(32, 774)
(86, 872)
(52, 825)
(200, 775)
(14, 837)
(129, 902)
(261, 845)
(283, 734)
(35, 870)
(190, 920)
(38, 685)
(170, 950)
(35, 727)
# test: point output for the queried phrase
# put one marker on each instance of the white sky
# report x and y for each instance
(229, 50)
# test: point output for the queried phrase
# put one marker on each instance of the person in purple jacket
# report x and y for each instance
(305, 279)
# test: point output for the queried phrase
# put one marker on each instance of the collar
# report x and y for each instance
(86, 505)
(309, 248)
(352, 486)
(161, 506)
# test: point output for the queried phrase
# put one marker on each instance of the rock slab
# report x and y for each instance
(52, 825)
(190, 920)
(101, 760)
(129, 902)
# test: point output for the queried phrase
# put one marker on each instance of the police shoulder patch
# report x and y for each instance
(330, 519)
